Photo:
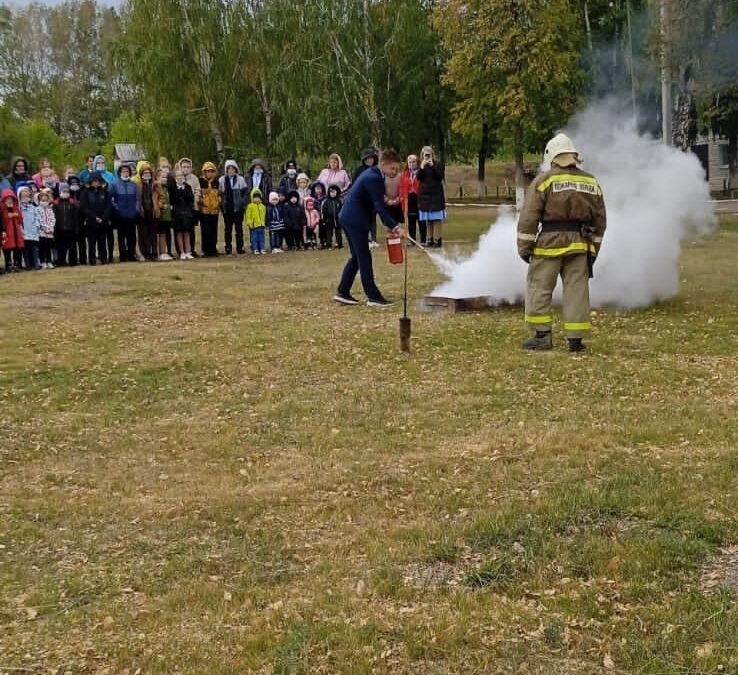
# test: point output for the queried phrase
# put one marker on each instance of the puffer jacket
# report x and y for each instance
(31, 225)
(294, 214)
(209, 192)
(233, 190)
(255, 211)
(558, 200)
(66, 212)
(126, 199)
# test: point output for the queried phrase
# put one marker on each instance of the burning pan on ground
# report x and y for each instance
(438, 303)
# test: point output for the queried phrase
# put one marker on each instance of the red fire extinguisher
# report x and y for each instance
(394, 248)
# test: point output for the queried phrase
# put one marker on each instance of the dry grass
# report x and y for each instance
(211, 468)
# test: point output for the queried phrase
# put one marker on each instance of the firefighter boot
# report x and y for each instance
(576, 345)
(540, 341)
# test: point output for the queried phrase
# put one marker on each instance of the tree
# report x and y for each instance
(513, 64)
(65, 77)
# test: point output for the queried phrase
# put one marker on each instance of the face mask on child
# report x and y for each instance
(291, 172)
(146, 177)
(258, 171)
(74, 187)
(125, 177)
(64, 195)
(25, 199)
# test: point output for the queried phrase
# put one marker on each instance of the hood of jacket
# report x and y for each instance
(255, 192)
(257, 161)
(315, 185)
(209, 166)
(336, 156)
(366, 153)
(231, 162)
(7, 192)
(20, 189)
(14, 161)
(97, 176)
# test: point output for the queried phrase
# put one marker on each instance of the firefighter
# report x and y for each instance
(559, 234)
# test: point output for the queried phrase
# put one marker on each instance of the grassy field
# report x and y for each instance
(210, 468)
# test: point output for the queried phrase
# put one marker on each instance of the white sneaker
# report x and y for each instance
(49, 266)
(183, 256)
(278, 250)
(189, 256)
(164, 257)
(43, 266)
(263, 252)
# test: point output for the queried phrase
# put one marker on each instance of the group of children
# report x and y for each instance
(47, 221)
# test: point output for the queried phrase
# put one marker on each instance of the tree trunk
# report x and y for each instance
(482, 158)
(587, 25)
(267, 111)
(519, 168)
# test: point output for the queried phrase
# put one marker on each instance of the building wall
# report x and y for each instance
(719, 167)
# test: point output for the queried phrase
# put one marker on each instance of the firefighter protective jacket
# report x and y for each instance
(561, 196)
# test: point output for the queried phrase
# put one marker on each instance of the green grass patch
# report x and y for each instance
(212, 468)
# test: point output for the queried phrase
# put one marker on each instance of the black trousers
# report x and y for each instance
(294, 239)
(81, 244)
(99, 243)
(109, 233)
(412, 223)
(148, 241)
(45, 246)
(232, 220)
(193, 230)
(66, 248)
(209, 233)
(126, 239)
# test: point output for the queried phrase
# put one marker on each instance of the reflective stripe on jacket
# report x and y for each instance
(564, 195)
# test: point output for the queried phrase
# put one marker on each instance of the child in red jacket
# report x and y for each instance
(11, 231)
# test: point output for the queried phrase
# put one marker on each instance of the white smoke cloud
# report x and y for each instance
(655, 197)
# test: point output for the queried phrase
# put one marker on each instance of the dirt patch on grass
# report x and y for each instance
(70, 294)
(721, 573)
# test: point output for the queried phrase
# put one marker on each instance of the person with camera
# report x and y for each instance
(432, 197)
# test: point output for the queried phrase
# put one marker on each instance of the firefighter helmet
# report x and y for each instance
(559, 145)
